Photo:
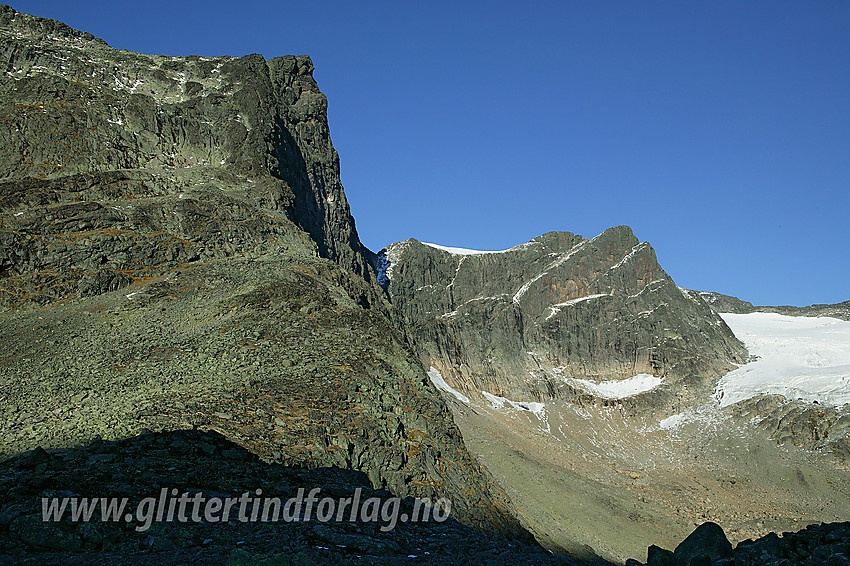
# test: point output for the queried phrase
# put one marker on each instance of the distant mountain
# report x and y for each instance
(560, 316)
(726, 303)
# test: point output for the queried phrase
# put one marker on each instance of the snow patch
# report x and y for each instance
(440, 383)
(619, 388)
(522, 290)
(557, 308)
(561, 259)
(465, 251)
(673, 421)
(497, 402)
(805, 358)
(386, 258)
(631, 254)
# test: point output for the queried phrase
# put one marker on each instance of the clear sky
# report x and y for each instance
(719, 131)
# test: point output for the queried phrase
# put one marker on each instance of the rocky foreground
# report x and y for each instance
(816, 545)
(197, 461)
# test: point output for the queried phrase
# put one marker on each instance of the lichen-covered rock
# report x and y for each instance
(176, 251)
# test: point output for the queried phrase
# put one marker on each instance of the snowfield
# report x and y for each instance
(619, 388)
(497, 402)
(805, 358)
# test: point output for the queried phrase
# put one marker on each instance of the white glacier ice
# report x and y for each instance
(806, 358)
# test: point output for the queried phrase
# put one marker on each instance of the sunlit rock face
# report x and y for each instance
(560, 316)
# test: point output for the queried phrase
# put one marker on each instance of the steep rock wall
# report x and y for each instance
(531, 321)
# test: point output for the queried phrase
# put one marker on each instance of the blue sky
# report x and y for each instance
(719, 131)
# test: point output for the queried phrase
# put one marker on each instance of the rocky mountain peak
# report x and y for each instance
(177, 251)
(545, 318)
(76, 106)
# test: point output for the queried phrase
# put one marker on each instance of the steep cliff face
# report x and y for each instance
(556, 316)
(176, 250)
(73, 105)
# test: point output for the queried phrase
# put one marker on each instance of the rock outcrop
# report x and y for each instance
(73, 105)
(826, 543)
(557, 316)
(176, 251)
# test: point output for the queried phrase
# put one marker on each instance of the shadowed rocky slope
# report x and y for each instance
(205, 462)
(176, 250)
(529, 322)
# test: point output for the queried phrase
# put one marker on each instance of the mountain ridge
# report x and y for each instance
(176, 251)
(587, 305)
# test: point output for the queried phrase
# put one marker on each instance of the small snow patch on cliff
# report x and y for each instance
(555, 309)
(440, 383)
(501, 402)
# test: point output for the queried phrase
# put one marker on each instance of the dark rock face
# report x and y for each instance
(529, 321)
(206, 463)
(707, 545)
(176, 250)
(812, 426)
(707, 540)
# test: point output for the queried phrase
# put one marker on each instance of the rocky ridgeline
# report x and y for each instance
(726, 303)
(816, 545)
(528, 322)
(176, 251)
(73, 105)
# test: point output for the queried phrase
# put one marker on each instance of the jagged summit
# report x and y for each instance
(556, 316)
